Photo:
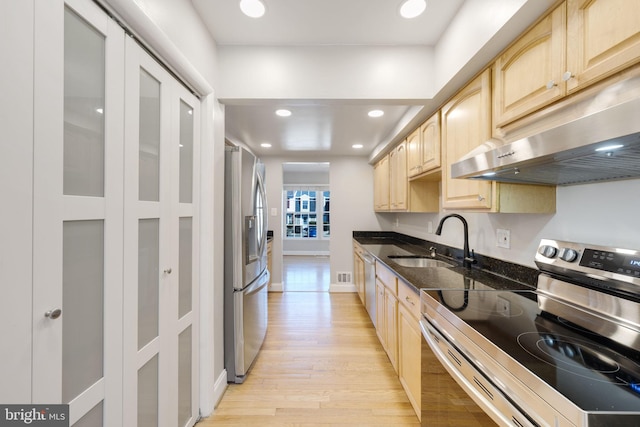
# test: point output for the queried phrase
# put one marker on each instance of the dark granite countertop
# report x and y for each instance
(488, 273)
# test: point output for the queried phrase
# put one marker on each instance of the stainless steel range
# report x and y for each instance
(564, 354)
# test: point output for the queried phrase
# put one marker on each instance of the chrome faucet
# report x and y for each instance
(468, 258)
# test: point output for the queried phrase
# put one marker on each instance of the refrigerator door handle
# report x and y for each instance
(258, 284)
(262, 212)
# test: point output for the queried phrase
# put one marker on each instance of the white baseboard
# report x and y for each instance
(219, 388)
(276, 287)
(342, 287)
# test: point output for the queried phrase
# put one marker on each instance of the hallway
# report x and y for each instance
(306, 273)
(320, 365)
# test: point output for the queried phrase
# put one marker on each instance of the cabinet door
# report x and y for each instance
(391, 326)
(160, 246)
(381, 327)
(603, 37)
(528, 75)
(430, 141)
(466, 125)
(414, 153)
(399, 183)
(381, 184)
(409, 365)
(77, 212)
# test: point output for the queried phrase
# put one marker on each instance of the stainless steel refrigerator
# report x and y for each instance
(245, 267)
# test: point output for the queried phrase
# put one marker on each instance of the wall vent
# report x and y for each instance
(344, 277)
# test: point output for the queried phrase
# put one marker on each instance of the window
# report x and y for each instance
(307, 214)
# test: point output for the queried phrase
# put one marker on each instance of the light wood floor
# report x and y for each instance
(306, 273)
(320, 365)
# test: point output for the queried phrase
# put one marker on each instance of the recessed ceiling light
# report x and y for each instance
(265, 145)
(357, 146)
(252, 8)
(412, 8)
(283, 113)
(376, 113)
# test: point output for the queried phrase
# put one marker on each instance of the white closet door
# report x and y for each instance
(78, 205)
(186, 108)
(160, 247)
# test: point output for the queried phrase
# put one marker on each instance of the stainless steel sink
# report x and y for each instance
(419, 262)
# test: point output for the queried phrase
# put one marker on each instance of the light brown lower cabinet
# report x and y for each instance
(398, 329)
(410, 345)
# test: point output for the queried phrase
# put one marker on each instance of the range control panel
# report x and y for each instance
(554, 255)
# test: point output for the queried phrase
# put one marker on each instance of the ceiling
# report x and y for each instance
(320, 127)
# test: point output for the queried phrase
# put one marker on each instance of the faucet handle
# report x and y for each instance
(472, 258)
(432, 250)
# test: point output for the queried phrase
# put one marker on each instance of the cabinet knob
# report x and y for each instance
(167, 270)
(53, 314)
(551, 84)
(480, 197)
(409, 300)
(568, 75)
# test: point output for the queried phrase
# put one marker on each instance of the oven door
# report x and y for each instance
(495, 406)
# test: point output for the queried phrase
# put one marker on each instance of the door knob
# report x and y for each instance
(53, 314)
(167, 270)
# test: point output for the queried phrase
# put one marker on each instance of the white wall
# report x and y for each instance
(16, 183)
(351, 209)
(603, 213)
(326, 72)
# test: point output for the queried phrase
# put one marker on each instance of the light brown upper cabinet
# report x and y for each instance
(398, 177)
(423, 148)
(579, 43)
(527, 75)
(466, 124)
(603, 37)
(381, 185)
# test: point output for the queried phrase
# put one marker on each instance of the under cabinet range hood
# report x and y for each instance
(599, 142)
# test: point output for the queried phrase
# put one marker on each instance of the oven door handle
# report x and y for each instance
(472, 381)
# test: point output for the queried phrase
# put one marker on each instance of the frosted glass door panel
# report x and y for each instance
(148, 278)
(186, 266)
(148, 394)
(149, 133)
(186, 153)
(93, 418)
(184, 377)
(84, 107)
(83, 303)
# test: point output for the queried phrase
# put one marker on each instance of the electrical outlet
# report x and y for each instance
(274, 211)
(503, 307)
(503, 238)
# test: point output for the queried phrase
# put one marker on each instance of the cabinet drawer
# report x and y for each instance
(408, 297)
(387, 277)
